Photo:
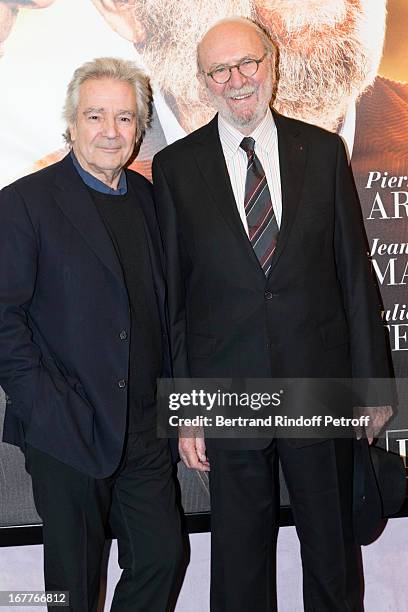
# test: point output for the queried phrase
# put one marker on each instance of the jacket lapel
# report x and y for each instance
(211, 163)
(292, 161)
(76, 203)
(153, 240)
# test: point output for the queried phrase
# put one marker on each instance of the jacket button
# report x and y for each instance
(123, 335)
(122, 383)
(268, 295)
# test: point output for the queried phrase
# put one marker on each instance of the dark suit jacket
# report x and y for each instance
(63, 304)
(317, 313)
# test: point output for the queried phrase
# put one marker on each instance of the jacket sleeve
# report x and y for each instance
(26, 377)
(368, 338)
(176, 265)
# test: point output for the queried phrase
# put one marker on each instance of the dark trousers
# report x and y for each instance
(138, 501)
(244, 487)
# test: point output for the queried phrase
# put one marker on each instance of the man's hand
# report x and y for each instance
(379, 415)
(192, 448)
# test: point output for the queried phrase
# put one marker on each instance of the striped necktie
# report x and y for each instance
(262, 225)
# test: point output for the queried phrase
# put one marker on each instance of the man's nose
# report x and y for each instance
(237, 79)
(110, 127)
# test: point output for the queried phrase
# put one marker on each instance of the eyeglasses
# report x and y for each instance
(247, 68)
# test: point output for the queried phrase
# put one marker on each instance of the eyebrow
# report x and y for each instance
(224, 65)
(93, 109)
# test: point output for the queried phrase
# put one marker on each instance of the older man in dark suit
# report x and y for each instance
(268, 277)
(83, 340)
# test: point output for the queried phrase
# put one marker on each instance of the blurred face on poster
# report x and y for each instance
(165, 34)
(9, 11)
(329, 49)
(104, 133)
(236, 70)
(329, 53)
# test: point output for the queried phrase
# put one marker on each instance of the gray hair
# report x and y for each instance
(117, 70)
(264, 36)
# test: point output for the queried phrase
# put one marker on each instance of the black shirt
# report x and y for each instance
(124, 221)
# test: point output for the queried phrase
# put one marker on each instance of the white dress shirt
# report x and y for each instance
(266, 149)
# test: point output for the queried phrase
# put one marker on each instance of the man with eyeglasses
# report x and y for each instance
(267, 277)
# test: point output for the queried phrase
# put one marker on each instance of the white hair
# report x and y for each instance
(118, 70)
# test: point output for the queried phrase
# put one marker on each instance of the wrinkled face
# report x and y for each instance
(104, 133)
(242, 101)
(329, 53)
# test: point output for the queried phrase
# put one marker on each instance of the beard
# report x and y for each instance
(245, 121)
(174, 28)
(329, 52)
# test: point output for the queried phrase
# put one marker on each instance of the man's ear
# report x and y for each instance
(72, 132)
(122, 17)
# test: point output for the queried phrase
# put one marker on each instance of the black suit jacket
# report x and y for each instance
(316, 315)
(63, 304)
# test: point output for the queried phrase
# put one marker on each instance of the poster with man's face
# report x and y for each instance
(343, 65)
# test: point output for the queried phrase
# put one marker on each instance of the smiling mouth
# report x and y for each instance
(242, 97)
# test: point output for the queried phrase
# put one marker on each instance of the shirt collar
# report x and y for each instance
(231, 138)
(172, 129)
(94, 183)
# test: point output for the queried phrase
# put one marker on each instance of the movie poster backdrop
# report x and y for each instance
(366, 101)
